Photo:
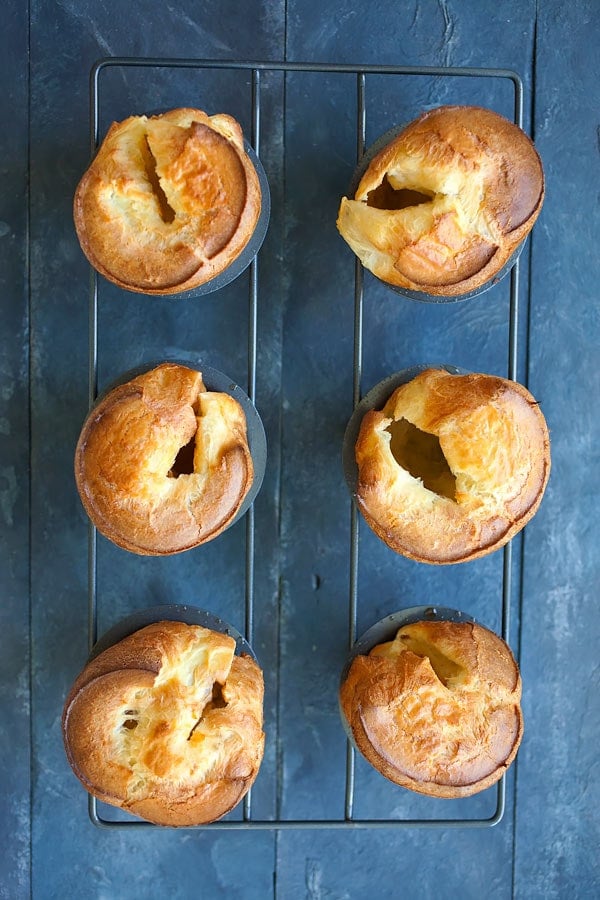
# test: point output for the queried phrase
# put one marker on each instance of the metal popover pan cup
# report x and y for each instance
(422, 296)
(217, 381)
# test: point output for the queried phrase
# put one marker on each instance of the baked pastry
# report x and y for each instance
(453, 466)
(162, 464)
(167, 724)
(436, 710)
(169, 201)
(443, 206)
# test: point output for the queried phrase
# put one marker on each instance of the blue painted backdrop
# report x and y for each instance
(546, 845)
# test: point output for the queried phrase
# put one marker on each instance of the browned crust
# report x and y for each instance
(495, 440)
(205, 176)
(445, 740)
(487, 184)
(105, 688)
(127, 448)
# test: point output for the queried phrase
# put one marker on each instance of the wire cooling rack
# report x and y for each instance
(255, 70)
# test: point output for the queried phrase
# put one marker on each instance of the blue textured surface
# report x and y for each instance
(14, 482)
(547, 843)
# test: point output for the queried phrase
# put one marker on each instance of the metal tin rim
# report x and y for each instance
(171, 612)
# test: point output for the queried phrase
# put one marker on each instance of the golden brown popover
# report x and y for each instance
(169, 201)
(162, 464)
(167, 724)
(453, 466)
(436, 710)
(441, 209)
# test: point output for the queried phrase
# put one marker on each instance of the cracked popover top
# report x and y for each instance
(437, 709)
(162, 464)
(441, 208)
(453, 466)
(167, 724)
(168, 202)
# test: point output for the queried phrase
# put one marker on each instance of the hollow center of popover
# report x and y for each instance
(421, 455)
(387, 197)
(217, 701)
(167, 213)
(184, 461)
(447, 670)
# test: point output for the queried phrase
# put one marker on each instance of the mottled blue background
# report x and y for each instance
(547, 843)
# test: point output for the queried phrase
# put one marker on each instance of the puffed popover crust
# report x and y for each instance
(167, 724)
(453, 466)
(436, 710)
(444, 205)
(168, 202)
(127, 469)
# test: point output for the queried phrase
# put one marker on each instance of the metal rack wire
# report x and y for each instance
(361, 73)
